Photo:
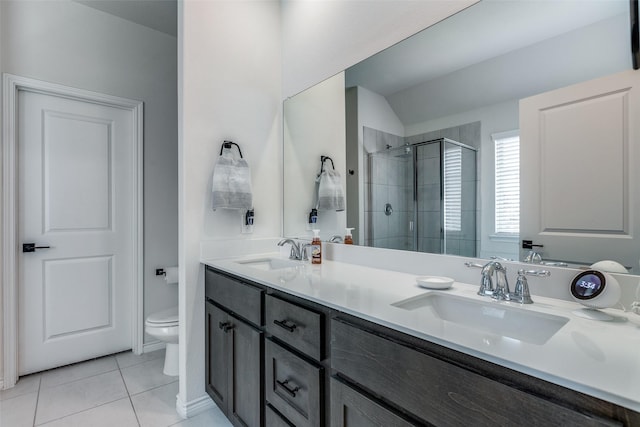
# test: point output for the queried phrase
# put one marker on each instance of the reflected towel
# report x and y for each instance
(330, 191)
(231, 183)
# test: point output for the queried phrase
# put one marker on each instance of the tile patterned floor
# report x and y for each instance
(121, 390)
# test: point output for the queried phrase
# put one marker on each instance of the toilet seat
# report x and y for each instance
(165, 318)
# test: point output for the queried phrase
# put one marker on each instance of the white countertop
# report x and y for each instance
(601, 359)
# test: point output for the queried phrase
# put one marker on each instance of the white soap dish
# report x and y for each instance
(434, 282)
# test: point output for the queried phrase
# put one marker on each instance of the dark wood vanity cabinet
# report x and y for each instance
(274, 359)
(234, 349)
(426, 386)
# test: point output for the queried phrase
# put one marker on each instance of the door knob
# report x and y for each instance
(31, 247)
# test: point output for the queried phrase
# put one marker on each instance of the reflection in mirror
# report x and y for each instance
(314, 126)
(421, 196)
(462, 79)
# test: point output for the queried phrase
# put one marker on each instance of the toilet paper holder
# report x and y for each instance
(168, 274)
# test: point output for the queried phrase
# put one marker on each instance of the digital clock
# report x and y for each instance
(588, 285)
(595, 289)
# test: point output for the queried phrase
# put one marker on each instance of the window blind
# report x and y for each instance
(453, 189)
(507, 178)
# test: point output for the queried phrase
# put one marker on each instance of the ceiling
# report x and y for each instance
(473, 36)
(160, 15)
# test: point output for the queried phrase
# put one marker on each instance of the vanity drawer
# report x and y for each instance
(439, 392)
(240, 298)
(293, 386)
(349, 408)
(273, 419)
(299, 327)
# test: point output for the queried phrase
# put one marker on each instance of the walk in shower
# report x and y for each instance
(422, 197)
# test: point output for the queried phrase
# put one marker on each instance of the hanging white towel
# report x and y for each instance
(330, 191)
(231, 182)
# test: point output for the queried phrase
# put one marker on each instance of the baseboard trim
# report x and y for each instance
(152, 346)
(194, 407)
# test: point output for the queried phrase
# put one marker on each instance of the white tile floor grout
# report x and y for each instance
(119, 390)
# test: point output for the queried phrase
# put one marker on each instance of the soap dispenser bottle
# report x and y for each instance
(316, 248)
(348, 237)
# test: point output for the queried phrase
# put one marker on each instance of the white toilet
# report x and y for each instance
(163, 326)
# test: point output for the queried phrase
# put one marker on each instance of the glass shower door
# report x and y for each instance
(429, 209)
(390, 204)
(446, 198)
(459, 199)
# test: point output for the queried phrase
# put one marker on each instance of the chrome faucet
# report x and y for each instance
(501, 289)
(336, 239)
(295, 253)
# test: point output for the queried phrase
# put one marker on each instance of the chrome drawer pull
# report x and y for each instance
(290, 391)
(284, 325)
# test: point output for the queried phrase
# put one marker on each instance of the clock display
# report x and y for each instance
(588, 284)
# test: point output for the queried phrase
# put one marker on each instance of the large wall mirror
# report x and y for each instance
(431, 125)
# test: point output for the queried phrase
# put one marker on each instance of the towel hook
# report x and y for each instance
(228, 144)
(322, 160)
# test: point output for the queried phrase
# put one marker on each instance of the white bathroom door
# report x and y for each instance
(580, 190)
(76, 200)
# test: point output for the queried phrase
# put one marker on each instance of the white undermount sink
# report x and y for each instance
(267, 264)
(488, 316)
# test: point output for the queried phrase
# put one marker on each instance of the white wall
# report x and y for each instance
(375, 112)
(230, 74)
(71, 44)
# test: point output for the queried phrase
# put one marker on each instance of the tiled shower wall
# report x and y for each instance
(389, 177)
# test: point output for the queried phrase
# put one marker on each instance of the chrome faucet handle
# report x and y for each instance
(521, 292)
(473, 265)
(336, 239)
(539, 273)
(555, 263)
